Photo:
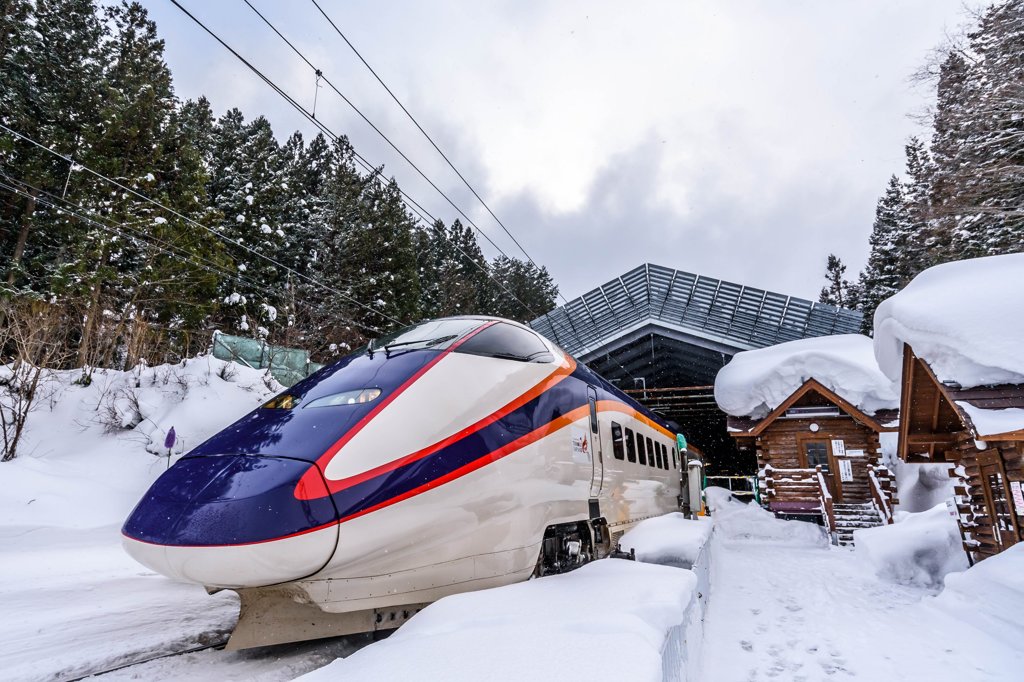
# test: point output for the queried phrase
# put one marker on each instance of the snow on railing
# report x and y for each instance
(828, 512)
(879, 497)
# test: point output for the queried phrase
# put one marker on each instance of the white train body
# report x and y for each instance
(447, 464)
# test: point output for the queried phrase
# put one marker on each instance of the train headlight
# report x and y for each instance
(354, 397)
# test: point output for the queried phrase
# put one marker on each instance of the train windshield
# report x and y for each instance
(437, 334)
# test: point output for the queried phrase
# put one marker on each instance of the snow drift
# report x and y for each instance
(735, 520)
(757, 381)
(670, 540)
(919, 549)
(989, 596)
(947, 314)
(90, 452)
(609, 620)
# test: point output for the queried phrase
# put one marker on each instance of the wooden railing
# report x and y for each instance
(881, 488)
(827, 510)
(788, 485)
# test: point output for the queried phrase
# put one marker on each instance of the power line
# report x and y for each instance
(327, 131)
(425, 134)
(189, 220)
(365, 118)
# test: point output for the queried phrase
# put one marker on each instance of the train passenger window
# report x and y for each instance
(617, 449)
(508, 342)
(664, 455)
(661, 455)
(641, 449)
(675, 460)
(650, 453)
(630, 446)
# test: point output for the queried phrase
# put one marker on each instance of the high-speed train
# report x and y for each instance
(457, 454)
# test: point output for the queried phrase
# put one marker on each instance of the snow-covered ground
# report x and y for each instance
(786, 608)
(72, 600)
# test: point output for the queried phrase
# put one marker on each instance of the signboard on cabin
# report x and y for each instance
(580, 446)
(854, 453)
(838, 448)
(1017, 491)
(845, 469)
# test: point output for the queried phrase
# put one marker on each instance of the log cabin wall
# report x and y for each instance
(781, 445)
(989, 504)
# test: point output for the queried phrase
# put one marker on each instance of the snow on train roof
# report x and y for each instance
(965, 319)
(756, 382)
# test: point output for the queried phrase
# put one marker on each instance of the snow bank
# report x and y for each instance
(950, 314)
(670, 540)
(989, 596)
(919, 549)
(735, 520)
(993, 422)
(609, 620)
(90, 452)
(757, 381)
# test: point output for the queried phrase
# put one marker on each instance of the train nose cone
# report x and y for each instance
(233, 521)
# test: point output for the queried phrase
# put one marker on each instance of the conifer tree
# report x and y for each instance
(886, 271)
(533, 288)
(837, 290)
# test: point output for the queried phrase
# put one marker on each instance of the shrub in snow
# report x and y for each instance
(920, 549)
(757, 381)
(735, 520)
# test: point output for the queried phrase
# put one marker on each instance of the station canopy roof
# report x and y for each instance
(665, 333)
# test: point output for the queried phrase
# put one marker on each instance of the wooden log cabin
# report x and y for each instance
(819, 459)
(943, 422)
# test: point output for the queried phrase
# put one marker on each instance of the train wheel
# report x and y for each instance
(565, 546)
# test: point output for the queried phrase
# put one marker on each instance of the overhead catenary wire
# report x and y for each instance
(419, 127)
(320, 76)
(209, 229)
(327, 131)
(66, 207)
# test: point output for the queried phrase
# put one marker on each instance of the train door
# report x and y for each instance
(597, 457)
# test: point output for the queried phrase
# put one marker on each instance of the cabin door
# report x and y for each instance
(819, 453)
(997, 500)
(596, 458)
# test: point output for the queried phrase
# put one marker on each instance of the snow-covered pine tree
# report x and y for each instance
(836, 290)
(886, 269)
(532, 286)
(917, 193)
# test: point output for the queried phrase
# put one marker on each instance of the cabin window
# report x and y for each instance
(675, 460)
(650, 453)
(641, 449)
(508, 342)
(617, 449)
(630, 446)
(816, 452)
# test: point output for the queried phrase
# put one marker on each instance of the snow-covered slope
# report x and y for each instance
(965, 319)
(90, 452)
(756, 382)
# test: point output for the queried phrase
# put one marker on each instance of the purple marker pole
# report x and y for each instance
(169, 444)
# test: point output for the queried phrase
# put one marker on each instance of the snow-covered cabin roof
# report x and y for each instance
(965, 319)
(756, 382)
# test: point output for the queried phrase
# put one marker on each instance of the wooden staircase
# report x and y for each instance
(854, 516)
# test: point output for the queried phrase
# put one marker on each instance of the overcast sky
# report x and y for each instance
(737, 139)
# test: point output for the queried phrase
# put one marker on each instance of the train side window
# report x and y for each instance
(664, 454)
(661, 455)
(675, 460)
(641, 449)
(650, 452)
(508, 342)
(617, 441)
(630, 446)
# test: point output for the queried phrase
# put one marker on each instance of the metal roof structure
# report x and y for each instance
(656, 327)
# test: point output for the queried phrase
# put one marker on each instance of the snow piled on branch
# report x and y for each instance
(919, 549)
(756, 382)
(965, 319)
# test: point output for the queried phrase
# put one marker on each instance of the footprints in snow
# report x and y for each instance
(787, 661)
